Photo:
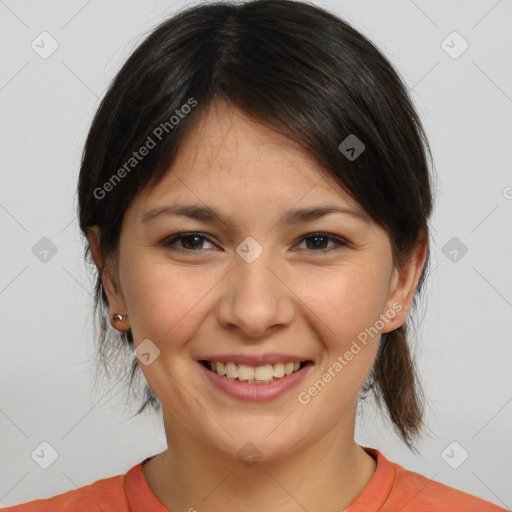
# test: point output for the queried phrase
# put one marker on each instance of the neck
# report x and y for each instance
(326, 475)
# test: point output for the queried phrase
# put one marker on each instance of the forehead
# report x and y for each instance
(230, 158)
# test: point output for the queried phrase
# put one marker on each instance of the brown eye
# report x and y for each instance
(319, 242)
(190, 242)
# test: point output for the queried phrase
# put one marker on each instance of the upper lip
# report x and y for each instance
(254, 360)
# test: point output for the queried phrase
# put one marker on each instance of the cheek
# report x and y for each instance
(165, 301)
(346, 300)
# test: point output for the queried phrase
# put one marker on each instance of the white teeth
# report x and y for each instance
(264, 372)
(231, 370)
(221, 368)
(246, 372)
(259, 374)
(279, 370)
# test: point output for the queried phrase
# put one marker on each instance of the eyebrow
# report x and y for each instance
(210, 215)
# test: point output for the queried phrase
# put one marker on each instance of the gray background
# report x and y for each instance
(463, 346)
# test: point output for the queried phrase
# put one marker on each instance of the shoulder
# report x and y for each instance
(104, 494)
(394, 488)
(413, 492)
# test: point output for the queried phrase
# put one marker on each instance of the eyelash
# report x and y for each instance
(169, 243)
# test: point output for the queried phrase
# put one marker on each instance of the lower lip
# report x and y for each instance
(256, 392)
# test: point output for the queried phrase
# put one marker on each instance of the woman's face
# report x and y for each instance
(255, 290)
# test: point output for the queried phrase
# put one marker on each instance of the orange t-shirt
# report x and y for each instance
(391, 488)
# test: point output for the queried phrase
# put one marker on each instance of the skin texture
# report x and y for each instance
(291, 299)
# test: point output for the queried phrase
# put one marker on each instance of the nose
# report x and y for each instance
(256, 299)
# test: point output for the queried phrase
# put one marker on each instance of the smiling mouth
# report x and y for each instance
(264, 374)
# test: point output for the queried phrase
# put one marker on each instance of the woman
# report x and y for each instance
(255, 195)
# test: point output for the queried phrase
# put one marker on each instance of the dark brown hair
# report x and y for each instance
(302, 71)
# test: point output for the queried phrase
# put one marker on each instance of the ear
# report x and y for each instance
(404, 283)
(115, 298)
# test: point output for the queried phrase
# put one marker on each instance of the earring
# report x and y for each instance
(116, 317)
(119, 318)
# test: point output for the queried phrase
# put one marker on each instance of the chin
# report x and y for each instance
(255, 440)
